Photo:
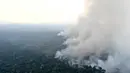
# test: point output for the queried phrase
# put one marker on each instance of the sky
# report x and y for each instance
(41, 11)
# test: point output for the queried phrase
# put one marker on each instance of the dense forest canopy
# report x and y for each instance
(33, 52)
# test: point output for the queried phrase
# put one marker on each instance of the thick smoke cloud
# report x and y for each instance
(101, 37)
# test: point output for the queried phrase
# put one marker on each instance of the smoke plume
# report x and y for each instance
(102, 36)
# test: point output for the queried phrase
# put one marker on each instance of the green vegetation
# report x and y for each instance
(32, 52)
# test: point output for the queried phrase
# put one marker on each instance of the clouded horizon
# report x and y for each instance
(40, 11)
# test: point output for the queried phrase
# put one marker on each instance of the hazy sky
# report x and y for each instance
(40, 11)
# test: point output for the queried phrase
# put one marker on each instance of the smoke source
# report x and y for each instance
(102, 36)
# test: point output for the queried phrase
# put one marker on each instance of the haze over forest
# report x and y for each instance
(32, 48)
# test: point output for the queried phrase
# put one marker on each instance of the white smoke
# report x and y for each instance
(102, 37)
